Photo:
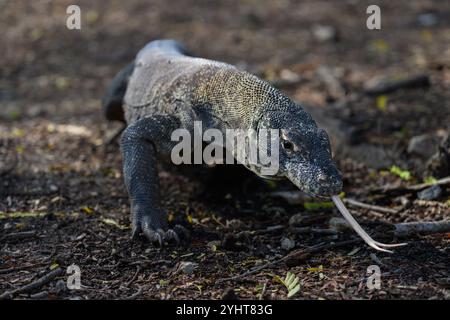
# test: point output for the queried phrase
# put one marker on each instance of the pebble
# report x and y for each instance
(287, 244)
(430, 193)
(187, 267)
(338, 224)
(427, 19)
(424, 145)
(324, 33)
(60, 286)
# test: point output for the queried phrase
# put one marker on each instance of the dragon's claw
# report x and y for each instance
(159, 236)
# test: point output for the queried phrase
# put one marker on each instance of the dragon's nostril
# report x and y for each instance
(321, 177)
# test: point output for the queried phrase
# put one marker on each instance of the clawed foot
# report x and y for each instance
(160, 235)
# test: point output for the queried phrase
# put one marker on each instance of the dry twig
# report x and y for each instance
(411, 228)
(369, 206)
(33, 285)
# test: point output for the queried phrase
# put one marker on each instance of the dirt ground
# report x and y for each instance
(62, 198)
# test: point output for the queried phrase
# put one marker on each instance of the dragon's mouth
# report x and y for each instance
(312, 192)
(318, 196)
(272, 178)
(314, 187)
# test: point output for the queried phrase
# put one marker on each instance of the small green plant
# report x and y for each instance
(403, 174)
(430, 180)
(382, 103)
(291, 282)
(312, 206)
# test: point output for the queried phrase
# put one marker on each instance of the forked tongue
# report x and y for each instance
(359, 230)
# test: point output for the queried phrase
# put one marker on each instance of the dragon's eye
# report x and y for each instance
(287, 145)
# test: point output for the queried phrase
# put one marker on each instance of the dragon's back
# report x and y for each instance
(164, 80)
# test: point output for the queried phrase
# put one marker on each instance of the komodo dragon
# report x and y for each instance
(165, 88)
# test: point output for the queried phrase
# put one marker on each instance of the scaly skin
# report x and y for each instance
(166, 89)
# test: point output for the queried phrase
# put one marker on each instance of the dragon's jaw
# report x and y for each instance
(314, 186)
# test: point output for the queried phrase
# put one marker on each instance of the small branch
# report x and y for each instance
(359, 204)
(411, 228)
(270, 229)
(420, 186)
(138, 270)
(388, 86)
(306, 230)
(298, 197)
(18, 235)
(39, 295)
(134, 295)
(416, 187)
(332, 83)
(263, 291)
(291, 197)
(34, 285)
(9, 270)
(149, 263)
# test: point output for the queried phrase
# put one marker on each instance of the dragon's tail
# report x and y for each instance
(112, 101)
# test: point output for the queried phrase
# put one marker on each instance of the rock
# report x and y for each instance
(424, 145)
(60, 286)
(287, 244)
(187, 267)
(430, 193)
(403, 200)
(290, 76)
(325, 33)
(439, 164)
(287, 78)
(338, 224)
(291, 197)
(428, 19)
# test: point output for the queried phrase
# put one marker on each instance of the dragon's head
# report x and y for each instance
(304, 152)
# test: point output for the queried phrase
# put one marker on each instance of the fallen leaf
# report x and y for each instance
(114, 223)
(382, 103)
(54, 266)
(316, 269)
(87, 210)
(4, 215)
